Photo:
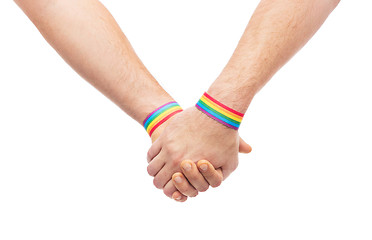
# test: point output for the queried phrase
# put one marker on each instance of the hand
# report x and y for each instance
(194, 179)
(192, 135)
(198, 178)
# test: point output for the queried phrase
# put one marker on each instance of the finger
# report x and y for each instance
(219, 171)
(183, 185)
(227, 170)
(244, 147)
(214, 177)
(162, 177)
(195, 178)
(155, 165)
(153, 151)
(169, 189)
(179, 197)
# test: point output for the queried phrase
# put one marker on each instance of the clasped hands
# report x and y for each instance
(191, 152)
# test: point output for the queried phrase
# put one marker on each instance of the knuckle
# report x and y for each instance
(193, 194)
(203, 188)
(150, 170)
(174, 155)
(216, 184)
(148, 156)
(168, 192)
(176, 162)
(157, 183)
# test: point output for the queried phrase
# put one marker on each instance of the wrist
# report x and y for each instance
(160, 116)
(155, 135)
(150, 103)
(144, 95)
(142, 108)
(237, 85)
(215, 128)
(237, 98)
(219, 112)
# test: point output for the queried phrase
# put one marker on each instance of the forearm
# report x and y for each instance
(276, 31)
(87, 37)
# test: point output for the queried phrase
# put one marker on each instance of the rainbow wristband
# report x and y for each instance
(160, 115)
(219, 112)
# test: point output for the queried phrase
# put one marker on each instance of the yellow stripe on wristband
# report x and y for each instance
(160, 115)
(221, 110)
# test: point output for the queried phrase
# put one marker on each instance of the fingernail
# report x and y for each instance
(204, 167)
(186, 166)
(178, 198)
(178, 179)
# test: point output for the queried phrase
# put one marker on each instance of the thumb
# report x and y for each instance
(244, 147)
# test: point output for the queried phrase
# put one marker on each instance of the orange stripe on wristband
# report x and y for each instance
(219, 112)
(160, 115)
(163, 120)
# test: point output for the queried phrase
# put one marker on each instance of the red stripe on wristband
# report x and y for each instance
(162, 121)
(222, 105)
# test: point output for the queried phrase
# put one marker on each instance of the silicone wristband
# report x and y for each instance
(219, 112)
(160, 115)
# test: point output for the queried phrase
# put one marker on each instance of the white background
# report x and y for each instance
(73, 165)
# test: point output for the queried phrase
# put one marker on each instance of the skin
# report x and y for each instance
(88, 38)
(194, 178)
(276, 31)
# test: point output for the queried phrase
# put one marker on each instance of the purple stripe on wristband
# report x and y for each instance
(144, 121)
(214, 118)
